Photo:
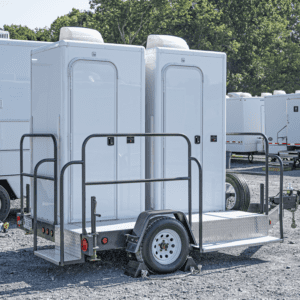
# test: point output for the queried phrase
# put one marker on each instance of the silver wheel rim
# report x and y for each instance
(166, 246)
(230, 201)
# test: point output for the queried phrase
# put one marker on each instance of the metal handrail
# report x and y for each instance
(281, 137)
(266, 162)
(281, 195)
(267, 177)
(200, 203)
(61, 207)
(47, 135)
(84, 183)
(35, 199)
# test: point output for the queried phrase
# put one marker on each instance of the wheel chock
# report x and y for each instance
(135, 268)
(189, 264)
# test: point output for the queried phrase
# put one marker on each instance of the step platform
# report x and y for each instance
(221, 230)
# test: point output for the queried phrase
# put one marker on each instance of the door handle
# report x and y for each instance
(197, 139)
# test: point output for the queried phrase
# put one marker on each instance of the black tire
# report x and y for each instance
(5, 204)
(146, 248)
(250, 158)
(242, 192)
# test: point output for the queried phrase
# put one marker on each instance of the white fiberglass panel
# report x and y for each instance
(93, 110)
(293, 116)
(182, 114)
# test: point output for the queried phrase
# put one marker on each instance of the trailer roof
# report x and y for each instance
(81, 44)
(186, 52)
(8, 42)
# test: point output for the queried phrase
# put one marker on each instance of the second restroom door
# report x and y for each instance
(182, 114)
(93, 110)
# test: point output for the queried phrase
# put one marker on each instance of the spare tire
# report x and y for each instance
(4, 203)
(237, 193)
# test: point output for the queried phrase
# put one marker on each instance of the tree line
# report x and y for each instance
(260, 37)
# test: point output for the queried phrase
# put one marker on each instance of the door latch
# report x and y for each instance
(197, 139)
(110, 141)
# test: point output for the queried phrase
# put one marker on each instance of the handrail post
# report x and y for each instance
(21, 175)
(267, 176)
(281, 195)
(200, 204)
(61, 207)
(190, 183)
(261, 209)
(35, 199)
(83, 180)
(27, 198)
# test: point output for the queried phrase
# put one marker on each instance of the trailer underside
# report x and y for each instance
(221, 230)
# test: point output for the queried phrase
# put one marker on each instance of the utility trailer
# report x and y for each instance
(245, 113)
(282, 124)
(74, 167)
(14, 114)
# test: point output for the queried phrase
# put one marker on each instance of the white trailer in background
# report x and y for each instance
(89, 97)
(282, 125)
(293, 121)
(276, 121)
(14, 114)
(245, 113)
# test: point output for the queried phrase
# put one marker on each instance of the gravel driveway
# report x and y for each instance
(268, 272)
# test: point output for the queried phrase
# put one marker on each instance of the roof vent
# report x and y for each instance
(277, 92)
(167, 41)
(235, 94)
(246, 95)
(297, 92)
(4, 34)
(80, 34)
(266, 94)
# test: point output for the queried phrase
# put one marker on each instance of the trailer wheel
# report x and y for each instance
(4, 203)
(165, 245)
(250, 158)
(237, 193)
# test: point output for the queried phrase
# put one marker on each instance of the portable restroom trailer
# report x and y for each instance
(185, 93)
(182, 86)
(293, 120)
(276, 121)
(244, 113)
(14, 114)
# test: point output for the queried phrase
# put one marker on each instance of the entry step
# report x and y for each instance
(239, 243)
(53, 255)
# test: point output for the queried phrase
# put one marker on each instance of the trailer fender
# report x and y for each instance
(134, 240)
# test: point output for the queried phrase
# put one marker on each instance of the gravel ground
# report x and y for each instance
(267, 272)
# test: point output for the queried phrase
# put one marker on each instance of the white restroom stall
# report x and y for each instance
(276, 121)
(14, 109)
(244, 113)
(293, 120)
(185, 93)
(82, 86)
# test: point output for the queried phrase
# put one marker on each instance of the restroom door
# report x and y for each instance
(93, 110)
(182, 113)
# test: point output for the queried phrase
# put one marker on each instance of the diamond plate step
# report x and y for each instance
(230, 225)
(239, 243)
(53, 255)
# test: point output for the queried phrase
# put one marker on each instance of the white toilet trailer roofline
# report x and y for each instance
(244, 113)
